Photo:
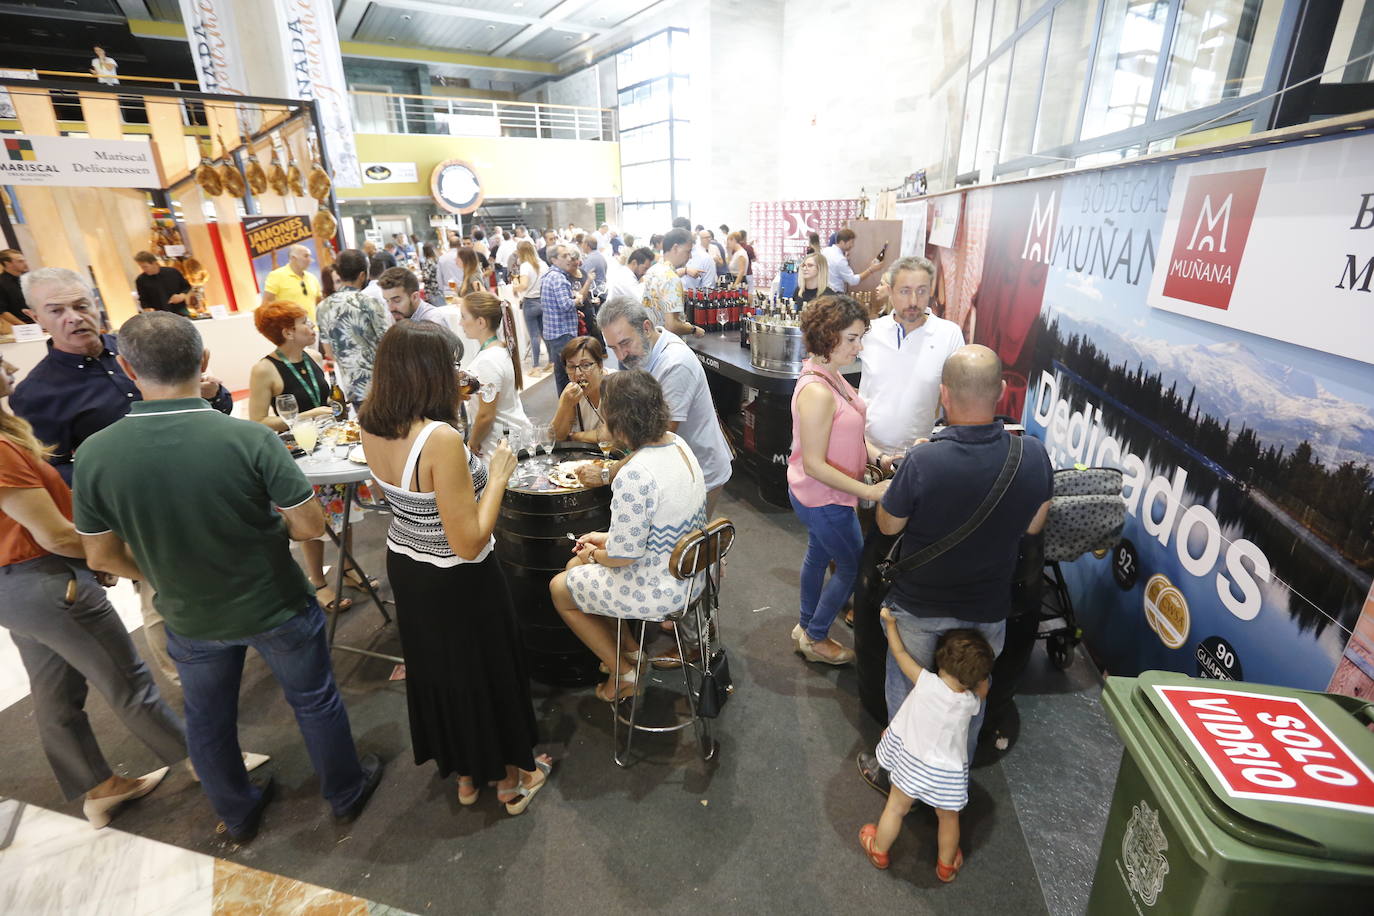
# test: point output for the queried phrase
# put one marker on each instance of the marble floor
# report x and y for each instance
(54, 863)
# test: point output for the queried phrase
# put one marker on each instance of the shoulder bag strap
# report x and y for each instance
(951, 540)
(828, 381)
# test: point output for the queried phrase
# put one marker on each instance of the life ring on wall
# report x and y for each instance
(455, 186)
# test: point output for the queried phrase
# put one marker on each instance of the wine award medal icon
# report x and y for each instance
(1143, 846)
(1166, 611)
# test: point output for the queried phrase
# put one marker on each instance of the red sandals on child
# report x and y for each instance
(868, 835)
(948, 873)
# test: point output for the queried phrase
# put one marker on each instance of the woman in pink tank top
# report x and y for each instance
(825, 471)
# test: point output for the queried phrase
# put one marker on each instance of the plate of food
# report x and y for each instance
(564, 474)
(348, 432)
(355, 455)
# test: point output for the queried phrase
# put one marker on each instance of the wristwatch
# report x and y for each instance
(605, 477)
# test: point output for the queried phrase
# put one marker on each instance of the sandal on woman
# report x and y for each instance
(627, 687)
(807, 649)
(948, 873)
(524, 794)
(467, 798)
(338, 605)
(868, 835)
(631, 657)
(353, 580)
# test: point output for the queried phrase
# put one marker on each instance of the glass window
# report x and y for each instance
(994, 101)
(1028, 58)
(1123, 74)
(682, 136)
(1003, 22)
(982, 26)
(1354, 37)
(643, 144)
(680, 52)
(968, 135)
(1071, 38)
(680, 87)
(1220, 51)
(1029, 8)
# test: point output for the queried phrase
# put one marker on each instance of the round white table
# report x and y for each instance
(325, 467)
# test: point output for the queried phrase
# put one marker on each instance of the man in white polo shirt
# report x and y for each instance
(903, 356)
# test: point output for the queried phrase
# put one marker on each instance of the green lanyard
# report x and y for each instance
(307, 380)
(489, 341)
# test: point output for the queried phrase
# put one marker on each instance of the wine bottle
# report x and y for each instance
(338, 404)
(882, 254)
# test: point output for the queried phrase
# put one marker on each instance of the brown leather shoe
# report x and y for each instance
(671, 660)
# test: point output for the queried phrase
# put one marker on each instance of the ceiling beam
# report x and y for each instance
(33, 12)
(556, 18)
(349, 17)
(465, 12)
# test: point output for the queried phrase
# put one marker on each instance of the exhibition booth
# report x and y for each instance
(218, 187)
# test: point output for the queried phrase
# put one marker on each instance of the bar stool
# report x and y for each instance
(695, 558)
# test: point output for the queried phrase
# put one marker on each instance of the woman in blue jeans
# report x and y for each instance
(825, 471)
(526, 285)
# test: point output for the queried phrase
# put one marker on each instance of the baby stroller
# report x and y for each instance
(1087, 514)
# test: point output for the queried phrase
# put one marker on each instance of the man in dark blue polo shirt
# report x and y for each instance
(938, 486)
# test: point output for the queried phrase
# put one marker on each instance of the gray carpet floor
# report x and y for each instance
(770, 825)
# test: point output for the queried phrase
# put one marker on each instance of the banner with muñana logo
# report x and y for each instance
(1240, 407)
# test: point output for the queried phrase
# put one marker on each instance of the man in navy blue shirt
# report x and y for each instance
(78, 389)
(938, 486)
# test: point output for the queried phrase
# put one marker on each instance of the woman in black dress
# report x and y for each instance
(466, 687)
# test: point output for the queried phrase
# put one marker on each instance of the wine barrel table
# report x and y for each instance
(532, 545)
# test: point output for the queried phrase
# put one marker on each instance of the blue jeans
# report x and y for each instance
(560, 372)
(533, 310)
(832, 534)
(921, 635)
(298, 655)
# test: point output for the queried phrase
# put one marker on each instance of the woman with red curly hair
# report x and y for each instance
(293, 369)
(825, 471)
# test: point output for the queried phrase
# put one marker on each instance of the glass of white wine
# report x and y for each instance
(307, 435)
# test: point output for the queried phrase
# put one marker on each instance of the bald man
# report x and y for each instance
(937, 488)
(293, 283)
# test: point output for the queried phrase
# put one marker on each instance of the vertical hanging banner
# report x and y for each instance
(210, 30)
(310, 49)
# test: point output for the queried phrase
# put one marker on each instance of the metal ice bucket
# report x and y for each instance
(776, 347)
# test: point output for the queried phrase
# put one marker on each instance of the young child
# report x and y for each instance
(925, 747)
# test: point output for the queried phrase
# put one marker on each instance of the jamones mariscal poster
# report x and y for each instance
(1248, 460)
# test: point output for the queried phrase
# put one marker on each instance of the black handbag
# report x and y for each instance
(716, 686)
(889, 569)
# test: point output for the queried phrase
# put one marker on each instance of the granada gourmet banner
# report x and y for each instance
(1248, 460)
(76, 162)
(210, 31)
(1290, 217)
(310, 46)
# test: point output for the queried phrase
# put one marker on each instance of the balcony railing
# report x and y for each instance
(391, 113)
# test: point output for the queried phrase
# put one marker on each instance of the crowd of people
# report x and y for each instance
(141, 405)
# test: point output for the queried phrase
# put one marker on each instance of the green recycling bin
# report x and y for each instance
(1237, 798)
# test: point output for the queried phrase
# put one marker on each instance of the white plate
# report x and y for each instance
(356, 456)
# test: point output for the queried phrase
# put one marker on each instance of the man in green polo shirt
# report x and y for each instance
(205, 507)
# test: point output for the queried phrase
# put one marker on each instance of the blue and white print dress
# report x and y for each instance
(656, 498)
(925, 747)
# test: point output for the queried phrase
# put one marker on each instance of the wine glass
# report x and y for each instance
(287, 408)
(541, 437)
(307, 435)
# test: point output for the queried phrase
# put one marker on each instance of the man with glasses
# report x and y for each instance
(293, 283)
(560, 301)
(904, 354)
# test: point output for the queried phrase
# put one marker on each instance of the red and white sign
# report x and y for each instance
(1270, 748)
(1213, 227)
(1278, 243)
